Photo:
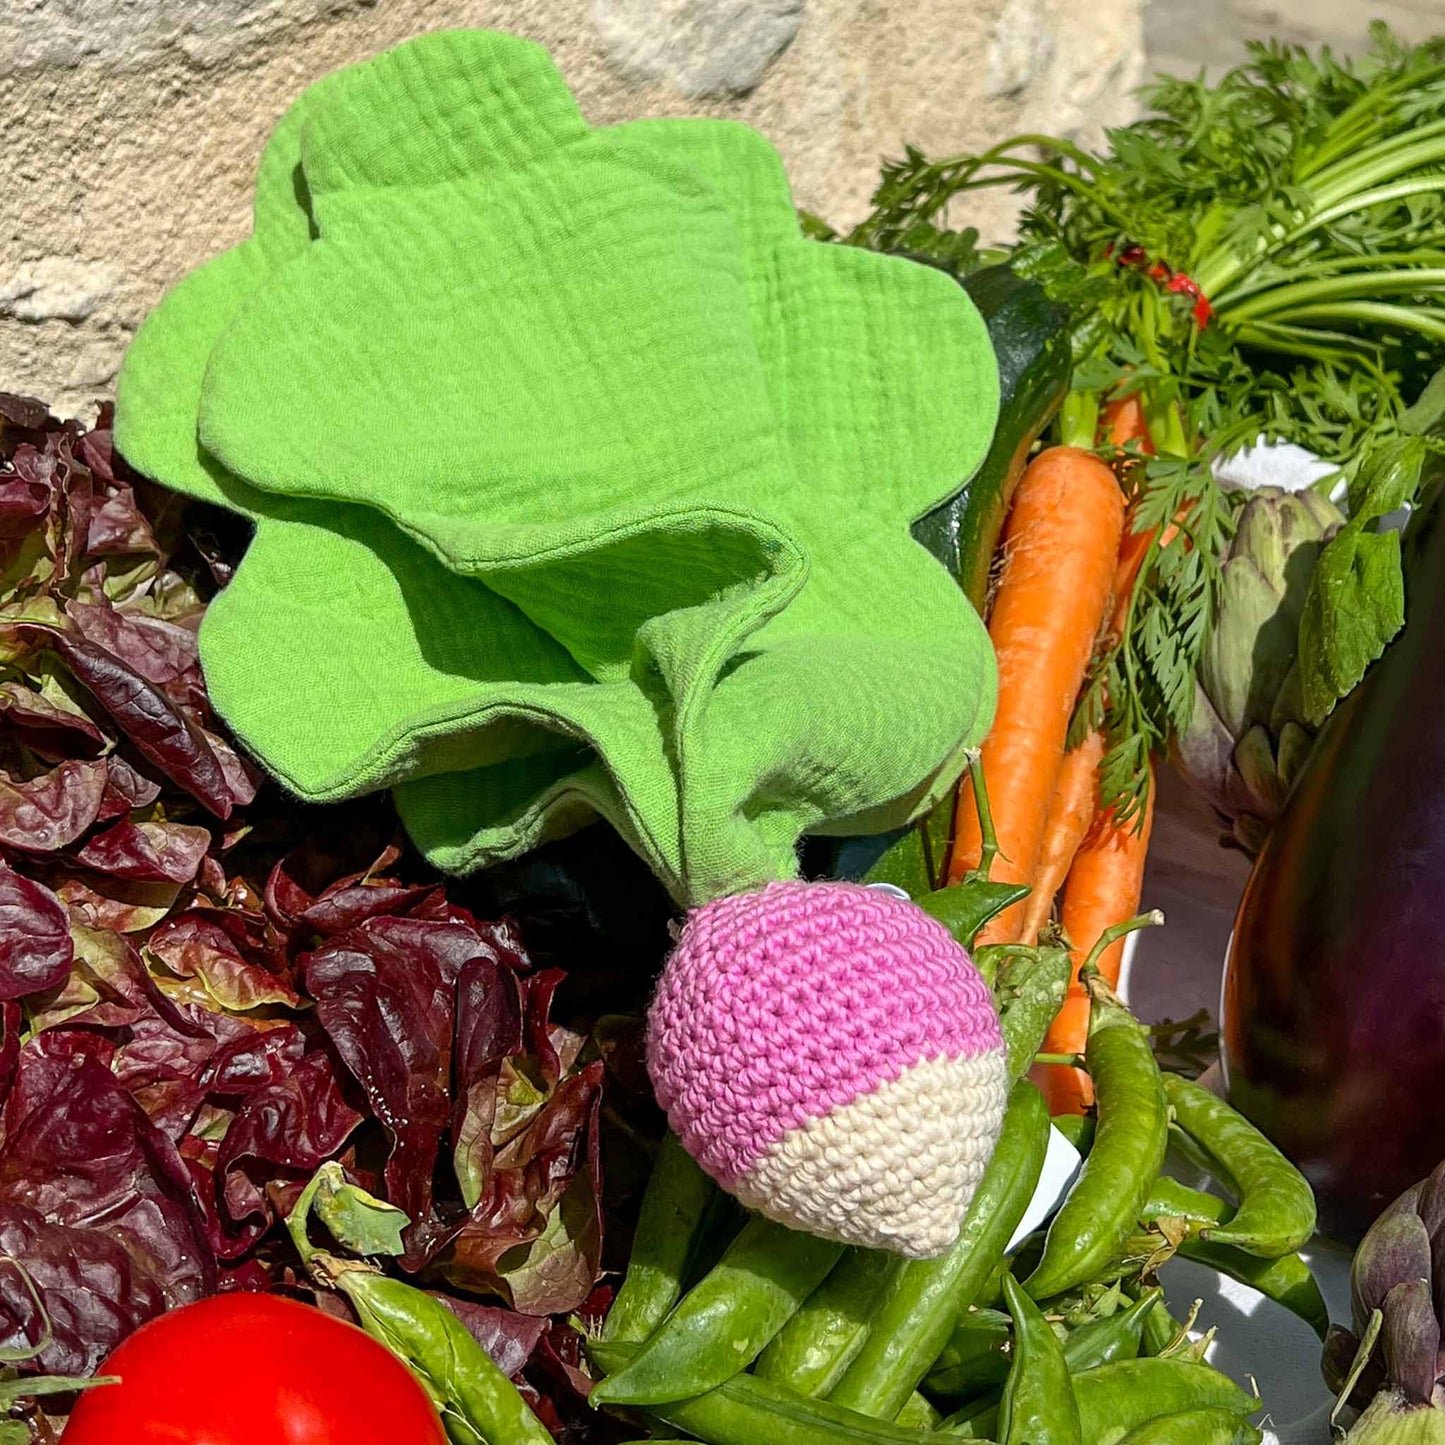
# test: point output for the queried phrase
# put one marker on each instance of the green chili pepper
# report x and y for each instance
(1078, 1129)
(725, 1321)
(1128, 1149)
(917, 1317)
(975, 1357)
(478, 1404)
(1032, 985)
(1038, 1402)
(673, 1209)
(1117, 1398)
(1276, 1213)
(1287, 1280)
(811, 1351)
(748, 1411)
(1195, 1427)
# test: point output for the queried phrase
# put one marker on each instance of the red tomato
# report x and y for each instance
(254, 1369)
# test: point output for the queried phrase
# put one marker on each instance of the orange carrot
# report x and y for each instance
(1059, 551)
(1102, 889)
(1123, 421)
(1070, 813)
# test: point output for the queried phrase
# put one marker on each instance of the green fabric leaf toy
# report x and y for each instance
(582, 485)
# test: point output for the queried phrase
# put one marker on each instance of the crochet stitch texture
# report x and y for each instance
(830, 1055)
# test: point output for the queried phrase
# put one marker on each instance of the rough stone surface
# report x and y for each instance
(131, 128)
(703, 47)
(1184, 36)
(58, 288)
(1020, 46)
(133, 32)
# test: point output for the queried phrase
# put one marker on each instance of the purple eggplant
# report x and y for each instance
(1334, 1004)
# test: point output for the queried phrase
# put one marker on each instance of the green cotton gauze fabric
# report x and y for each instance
(581, 481)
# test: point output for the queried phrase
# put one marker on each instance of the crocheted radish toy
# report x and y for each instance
(829, 1054)
(653, 563)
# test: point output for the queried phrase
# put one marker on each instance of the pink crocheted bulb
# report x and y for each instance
(829, 1054)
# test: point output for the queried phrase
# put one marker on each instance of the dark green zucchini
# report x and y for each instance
(1030, 337)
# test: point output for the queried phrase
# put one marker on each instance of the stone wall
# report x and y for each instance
(1184, 35)
(130, 128)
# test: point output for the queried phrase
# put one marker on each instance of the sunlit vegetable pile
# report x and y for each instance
(208, 991)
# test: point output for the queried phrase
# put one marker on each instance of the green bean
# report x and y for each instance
(811, 1351)
(478, 1404)
(1195, 1427)
(1128, 1149)
(1038, 1401)
(1287, 1280)
(975, 1357)
(1117, 1398)
(917, 1317)
(1032, 990)
(1276, 1213)
(674, 1206)
(724, 1322)
(748, 1411)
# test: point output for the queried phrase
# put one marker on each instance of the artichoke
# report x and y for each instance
(1390, 1363)
(1247, 736)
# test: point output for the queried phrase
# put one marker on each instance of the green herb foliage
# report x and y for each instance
(1258, 258)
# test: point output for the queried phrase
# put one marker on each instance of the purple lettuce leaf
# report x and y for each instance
(35, 944)
(49, 812)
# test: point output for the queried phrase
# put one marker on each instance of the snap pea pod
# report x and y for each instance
(1195, 1427)
(975, 1357)
(1031, 991)
(1117, 1398)
(1119, 1336)
(746, 1411)
(1097, 1343)
(917, 1413)
(724, 1322)
(1160, 1330)
(918, 1315)
(1276, 1212)
(1129, 1144)
(1078, 1129)
(1038, 1401)
(1115, 1337)
(1287, 1280)
(811, 1351)
(1169, 1199)
(964, 908)
(478, 1404)
(674, 1206)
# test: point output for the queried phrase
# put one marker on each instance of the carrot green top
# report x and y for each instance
(582, 482)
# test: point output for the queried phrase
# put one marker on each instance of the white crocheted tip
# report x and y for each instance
(896, 1168)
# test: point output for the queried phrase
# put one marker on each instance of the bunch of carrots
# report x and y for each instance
(1069, 565)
